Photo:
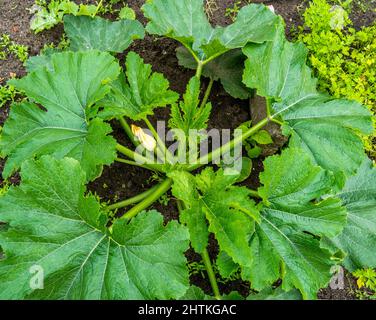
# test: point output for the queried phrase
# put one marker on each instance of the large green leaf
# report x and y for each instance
(185, 21)
(44, 59)
(322, 126)
(358, 239)
(55, 228)
(285, 244)
(137, 93)
(290, 183)
(276, 294)
(196, 293)
(87, 33)
(188, 115)
(229, 211)
(227, 68)
(67, 90)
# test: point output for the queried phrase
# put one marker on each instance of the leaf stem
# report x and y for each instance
(192, 53)
(161, 189)
(215, 56)
(269, 102)
(277, 121)
(128, 131)
(254, 194)
(268, 107)
(166, 154)
(133, 163)
(207, 262)
(228, 146)
(211, 274)
(207, 93)
(98, 7)
(200, 66)
(132, 200)
(138, 158)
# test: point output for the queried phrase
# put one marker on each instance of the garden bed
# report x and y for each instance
(119, 182)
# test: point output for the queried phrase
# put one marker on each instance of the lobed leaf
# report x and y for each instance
(358, 239)
(228, 68)
(228, 210)
(188, 115)
(285, 243)
(55, 228)
(186, 22)
(276, 294)
(137, 93)
(67, 90)
(87, 33)
(196, 293)
(325, 128)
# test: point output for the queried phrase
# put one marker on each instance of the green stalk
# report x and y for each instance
(268, 107)
(228, 146)
(136, 156)
(133, 163)
(207, 93)
(200, 66)
(211, 274)
(160, 143)
(207, 263)
(148, 201)
(98, 7)
(269, 102)
(192, 53)
(128, 131)
(212, 58)
(132, 200)
(254, 194)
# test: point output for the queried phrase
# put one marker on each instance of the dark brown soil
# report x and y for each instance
(120, 182)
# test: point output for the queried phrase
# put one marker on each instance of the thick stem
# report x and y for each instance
(200, 66)
(211, 274)
(128, 131)
(228, 146)
(269, 102)
(192, 53)
(132, 200)
(134, 163)
(139, 158)
(212, 57)
(207, 262)
(254, 194)
(268, 107)
(157, 193)
(166, 154)
(207, 93)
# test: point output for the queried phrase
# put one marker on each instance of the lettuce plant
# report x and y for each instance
(315, 207)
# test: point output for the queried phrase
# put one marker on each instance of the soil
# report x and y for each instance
(120, 182)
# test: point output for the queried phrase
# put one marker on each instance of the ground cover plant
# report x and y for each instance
(343, 58)
(314, 210)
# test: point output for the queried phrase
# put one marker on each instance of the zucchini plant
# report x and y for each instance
(314, 210)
